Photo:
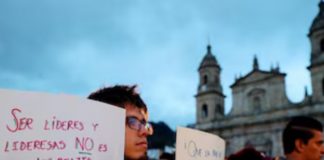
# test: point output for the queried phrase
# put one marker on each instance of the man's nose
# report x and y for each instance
(322, 149)
(144, 131)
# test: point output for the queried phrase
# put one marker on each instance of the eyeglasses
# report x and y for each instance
(136, 124)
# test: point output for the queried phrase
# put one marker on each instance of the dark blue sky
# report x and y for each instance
(77, 46)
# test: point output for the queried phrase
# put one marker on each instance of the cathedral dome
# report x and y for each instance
(318, 22)
(209, 60)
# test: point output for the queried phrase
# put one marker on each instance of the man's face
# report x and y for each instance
(314, 149)
(135, 140)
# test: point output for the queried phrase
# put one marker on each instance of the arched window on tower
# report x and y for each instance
(205, 79)
(204, 111)
(218, 109)
(322, 45)
(216, 79)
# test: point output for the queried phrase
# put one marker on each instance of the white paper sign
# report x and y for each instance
(197, 145)
(39, 126)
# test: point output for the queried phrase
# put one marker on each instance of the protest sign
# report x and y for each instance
(197, 145)
(39, 126)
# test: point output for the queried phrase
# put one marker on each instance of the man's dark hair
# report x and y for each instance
(119, 95)
(300, 127)
(248, 153)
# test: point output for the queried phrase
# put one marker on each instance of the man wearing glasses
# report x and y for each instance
(137, 128)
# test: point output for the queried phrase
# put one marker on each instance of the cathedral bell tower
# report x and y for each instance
(209, 97)
(316, 36)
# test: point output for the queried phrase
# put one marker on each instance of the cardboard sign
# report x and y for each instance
(38, 126)
(197, 145)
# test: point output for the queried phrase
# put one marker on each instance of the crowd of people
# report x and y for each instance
(302, 137)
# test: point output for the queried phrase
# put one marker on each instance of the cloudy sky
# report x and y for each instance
(77, 46)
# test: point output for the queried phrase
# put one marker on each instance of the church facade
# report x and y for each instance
(260, 108)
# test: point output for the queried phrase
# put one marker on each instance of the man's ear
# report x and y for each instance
(299, 146)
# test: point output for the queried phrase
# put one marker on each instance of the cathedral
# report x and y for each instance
(260, 108)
